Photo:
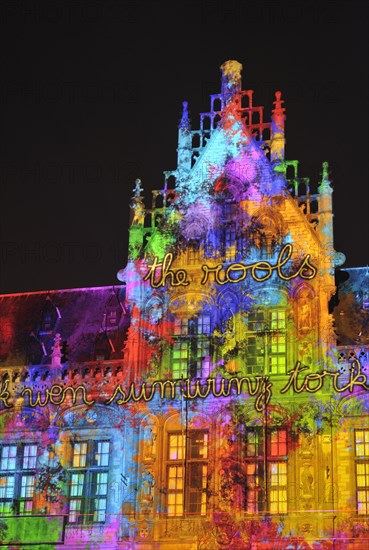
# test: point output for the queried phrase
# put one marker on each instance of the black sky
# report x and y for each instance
(91, 95)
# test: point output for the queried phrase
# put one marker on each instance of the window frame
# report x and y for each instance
(362, 462)
(256, 463)
(267, 333)
(17, 499)
(87, 476)
(191, 348)
(191, 474)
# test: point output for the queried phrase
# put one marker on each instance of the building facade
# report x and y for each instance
(217, 397)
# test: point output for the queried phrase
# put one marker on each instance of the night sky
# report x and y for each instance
(91, 95)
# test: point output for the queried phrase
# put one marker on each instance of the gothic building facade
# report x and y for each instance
(216, 398)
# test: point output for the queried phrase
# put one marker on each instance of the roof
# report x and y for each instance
(92, 323)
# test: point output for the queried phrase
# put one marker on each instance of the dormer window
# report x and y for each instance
(50, 315)
(113, 314)
(112, 319)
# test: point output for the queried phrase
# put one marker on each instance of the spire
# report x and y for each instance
(231, 78)
(56, 353)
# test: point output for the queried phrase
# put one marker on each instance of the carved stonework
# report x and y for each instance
(307, 485)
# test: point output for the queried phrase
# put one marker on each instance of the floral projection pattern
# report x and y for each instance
(218, 397)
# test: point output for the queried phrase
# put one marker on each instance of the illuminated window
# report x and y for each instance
(266, 494)
(278, 320)
(191, 348)
(17, 478)
(362, 471)
(266, 342)
(89, 482)
(278, 443)
(180, 356)
(187, 473)
(278, 487)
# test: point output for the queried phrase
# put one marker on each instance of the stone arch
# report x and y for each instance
(191, 303)
(268, 296)
(95, 417)
(195, 422)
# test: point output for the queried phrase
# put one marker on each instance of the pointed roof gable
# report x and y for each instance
(232, 147)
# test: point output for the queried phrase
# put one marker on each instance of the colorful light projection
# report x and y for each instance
(229, 422)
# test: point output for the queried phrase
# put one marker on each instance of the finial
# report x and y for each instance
(278, 103)
(56, 353)
(185, 123)
(325, 171)
(137, 204)
(278, 116)
(325, 183)
(138, 189)
(231, 77)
